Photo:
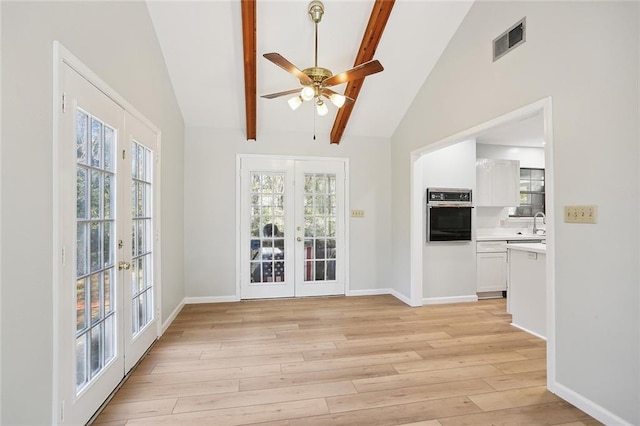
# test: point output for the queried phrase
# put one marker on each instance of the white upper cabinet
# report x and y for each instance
(497, 183)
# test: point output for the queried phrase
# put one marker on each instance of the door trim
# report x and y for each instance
(63, 57)
(344, 161)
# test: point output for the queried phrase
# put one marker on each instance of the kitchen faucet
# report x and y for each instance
(544, 221)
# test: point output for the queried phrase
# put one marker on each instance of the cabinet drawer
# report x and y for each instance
(491, 247)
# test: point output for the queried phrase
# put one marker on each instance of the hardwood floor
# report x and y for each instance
(342, 361)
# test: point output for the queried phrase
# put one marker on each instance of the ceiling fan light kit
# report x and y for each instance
(316, 80)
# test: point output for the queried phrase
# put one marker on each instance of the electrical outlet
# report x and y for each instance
(580, 214)
(357, 213)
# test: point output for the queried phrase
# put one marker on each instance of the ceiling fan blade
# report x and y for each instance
(356, 73)
(328, 92)
(280, 61)
(277, 95)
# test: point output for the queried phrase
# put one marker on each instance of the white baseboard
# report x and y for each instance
(368, 292)
(380, 291)
(529, 331)
(401, 297)
(453, 299)
(174, 314)
(594, 410)
(213, 299)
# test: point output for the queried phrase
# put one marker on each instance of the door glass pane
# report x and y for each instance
(319, 223)
(141, 238)
(267, 227)
(95, 221)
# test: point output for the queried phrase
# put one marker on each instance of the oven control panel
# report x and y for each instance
(443, 195)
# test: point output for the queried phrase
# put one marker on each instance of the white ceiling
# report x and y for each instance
(528, 132)
(202, 46)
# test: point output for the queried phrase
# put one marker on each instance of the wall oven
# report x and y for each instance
(448, 214)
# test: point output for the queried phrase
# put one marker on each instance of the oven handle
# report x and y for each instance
(431, 206)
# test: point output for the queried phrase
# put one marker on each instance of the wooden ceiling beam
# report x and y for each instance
(249, 53)
(372, 35)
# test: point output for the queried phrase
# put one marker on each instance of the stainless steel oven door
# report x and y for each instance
(448, 223)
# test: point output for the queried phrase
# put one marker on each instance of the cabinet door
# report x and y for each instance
(505, 181)
(492, 272)
(482, 196)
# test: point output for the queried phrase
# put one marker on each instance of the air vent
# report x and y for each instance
(509, 40)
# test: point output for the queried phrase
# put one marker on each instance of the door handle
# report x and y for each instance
(299, 239)
(123, 265)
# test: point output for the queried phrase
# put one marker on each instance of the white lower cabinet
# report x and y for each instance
(492, 272)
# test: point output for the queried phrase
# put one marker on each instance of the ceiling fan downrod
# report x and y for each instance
(316, 10)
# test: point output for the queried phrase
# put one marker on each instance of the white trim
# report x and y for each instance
(238, 225)
(540, 336)
(594, 410)
(452, 299)
(403, 298)
(210, 299)
(56, 217)
(369, 292)
(72, 61)
(1, 209)
(165, 325)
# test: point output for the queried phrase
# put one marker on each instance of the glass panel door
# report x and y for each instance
(107, 310)
(95, 248)
(320, 210)
(266, 228)
(292, 228)
(90, 355)
(139, 240)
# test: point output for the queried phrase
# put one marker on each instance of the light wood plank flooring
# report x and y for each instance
(342, 361)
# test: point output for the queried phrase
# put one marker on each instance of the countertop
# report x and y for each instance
(510, 237)
(531, 247)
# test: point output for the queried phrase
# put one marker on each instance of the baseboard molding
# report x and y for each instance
(594, 410)
(368, 292)
(452, 299)
(174, 314)
(401, 297)
(529, 331)
(213, 299)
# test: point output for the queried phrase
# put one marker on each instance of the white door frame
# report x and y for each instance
(239, 159)
(543, 106)
(63, 57)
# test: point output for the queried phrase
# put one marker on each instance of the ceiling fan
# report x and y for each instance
(316, 81)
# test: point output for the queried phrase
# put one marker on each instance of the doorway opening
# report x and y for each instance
(542, 108)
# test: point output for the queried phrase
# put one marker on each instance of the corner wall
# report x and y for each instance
(117, 41)
(449, 268)
(210, 205)
(585, 56)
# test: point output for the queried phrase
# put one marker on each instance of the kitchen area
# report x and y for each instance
(493, 188)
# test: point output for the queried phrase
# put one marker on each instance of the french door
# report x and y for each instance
(107, 310)
(292, 227)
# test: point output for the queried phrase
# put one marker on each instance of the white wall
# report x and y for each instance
(529, 157)
(116, 40)
(210, 204)
(449, 269)
(585, 56)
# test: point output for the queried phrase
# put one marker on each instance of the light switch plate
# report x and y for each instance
(357, 213)
(580, 214)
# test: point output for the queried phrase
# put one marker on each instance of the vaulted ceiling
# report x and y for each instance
(202, 43)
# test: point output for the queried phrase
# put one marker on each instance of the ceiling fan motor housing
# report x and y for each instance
(317, 74)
